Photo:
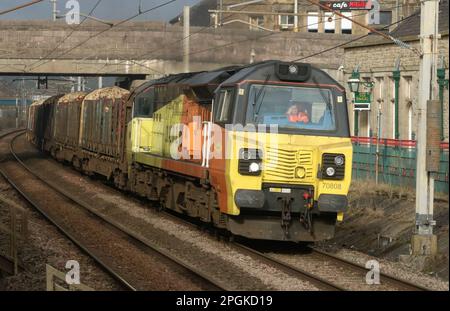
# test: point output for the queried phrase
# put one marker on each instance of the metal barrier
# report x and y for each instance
(396, 164)
(16, 230)
(55, 278)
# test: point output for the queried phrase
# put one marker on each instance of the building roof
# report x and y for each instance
(411, 26)
(199, 15)
(408, 30)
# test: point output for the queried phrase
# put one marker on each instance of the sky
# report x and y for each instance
(108, 9)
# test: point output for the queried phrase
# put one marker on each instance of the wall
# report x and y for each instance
(376, 61)
(150, 47)
(287, 6)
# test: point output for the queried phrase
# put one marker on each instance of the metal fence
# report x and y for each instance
(396, 162)
(56, 281)
(16, 230)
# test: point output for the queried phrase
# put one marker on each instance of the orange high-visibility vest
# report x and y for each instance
(300, 117)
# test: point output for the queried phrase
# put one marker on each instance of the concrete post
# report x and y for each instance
(17, 112)
(443, 83)
(296, 16)
(321, 26)
(303, 21)
(186, 31)
(396, 77)
(337, 24)
(54, 10)
(424, 242)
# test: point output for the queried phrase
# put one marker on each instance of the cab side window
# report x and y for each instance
(144, 105)
(225, 106)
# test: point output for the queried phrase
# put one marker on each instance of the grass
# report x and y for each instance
(360, 188)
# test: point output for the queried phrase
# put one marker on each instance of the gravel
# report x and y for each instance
(395, 269)
(203, 250)
(46, 245)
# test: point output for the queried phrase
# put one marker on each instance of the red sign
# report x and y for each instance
(348, 5)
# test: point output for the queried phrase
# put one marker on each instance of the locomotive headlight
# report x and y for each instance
(339, 160)
(293, 69)
(254, 167)
(246, 154)
(250, 162)
(330, 171)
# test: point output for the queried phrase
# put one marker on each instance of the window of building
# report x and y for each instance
(286, 21)
(408, 102)
(367, 125)
(256, 20)
(329, 22)
(385, 17)
(313, 21)
(346, 25)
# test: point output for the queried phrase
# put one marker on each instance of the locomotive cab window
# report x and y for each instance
(225, 106)
(144, 105)
(293, 108)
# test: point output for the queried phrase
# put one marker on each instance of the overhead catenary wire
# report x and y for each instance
(352, 40)
(103, 31)
(176, 41)
(371, 29)
(260, 37)
(22, 6)
(169, 44)
(68, 36)
(208, 49)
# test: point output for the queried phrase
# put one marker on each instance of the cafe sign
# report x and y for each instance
(348, 5)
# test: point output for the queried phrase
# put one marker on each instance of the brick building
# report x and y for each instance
(278, 15)
(377, 58)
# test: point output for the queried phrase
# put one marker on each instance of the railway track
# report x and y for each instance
(117, 233)
(317, 281)
(334, 273)
(350, 272)
(389, 280)
(353, 274)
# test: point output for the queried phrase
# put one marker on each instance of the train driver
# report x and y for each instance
(298, 113)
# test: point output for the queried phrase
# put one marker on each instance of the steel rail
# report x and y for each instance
(392, 280)
(317, 281)
(215, 284)
(105, 266)
(302, 274)
(398, 282)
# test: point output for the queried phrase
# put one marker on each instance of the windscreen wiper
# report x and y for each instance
(262, 92)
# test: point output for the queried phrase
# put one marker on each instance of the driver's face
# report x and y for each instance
(294, 110)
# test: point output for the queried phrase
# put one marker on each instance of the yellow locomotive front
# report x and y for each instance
(289, 153)
(262, 150)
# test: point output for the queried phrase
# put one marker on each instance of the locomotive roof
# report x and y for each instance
(261, 71)
(107, 92)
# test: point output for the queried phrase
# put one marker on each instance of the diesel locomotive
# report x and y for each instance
(262, 150)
